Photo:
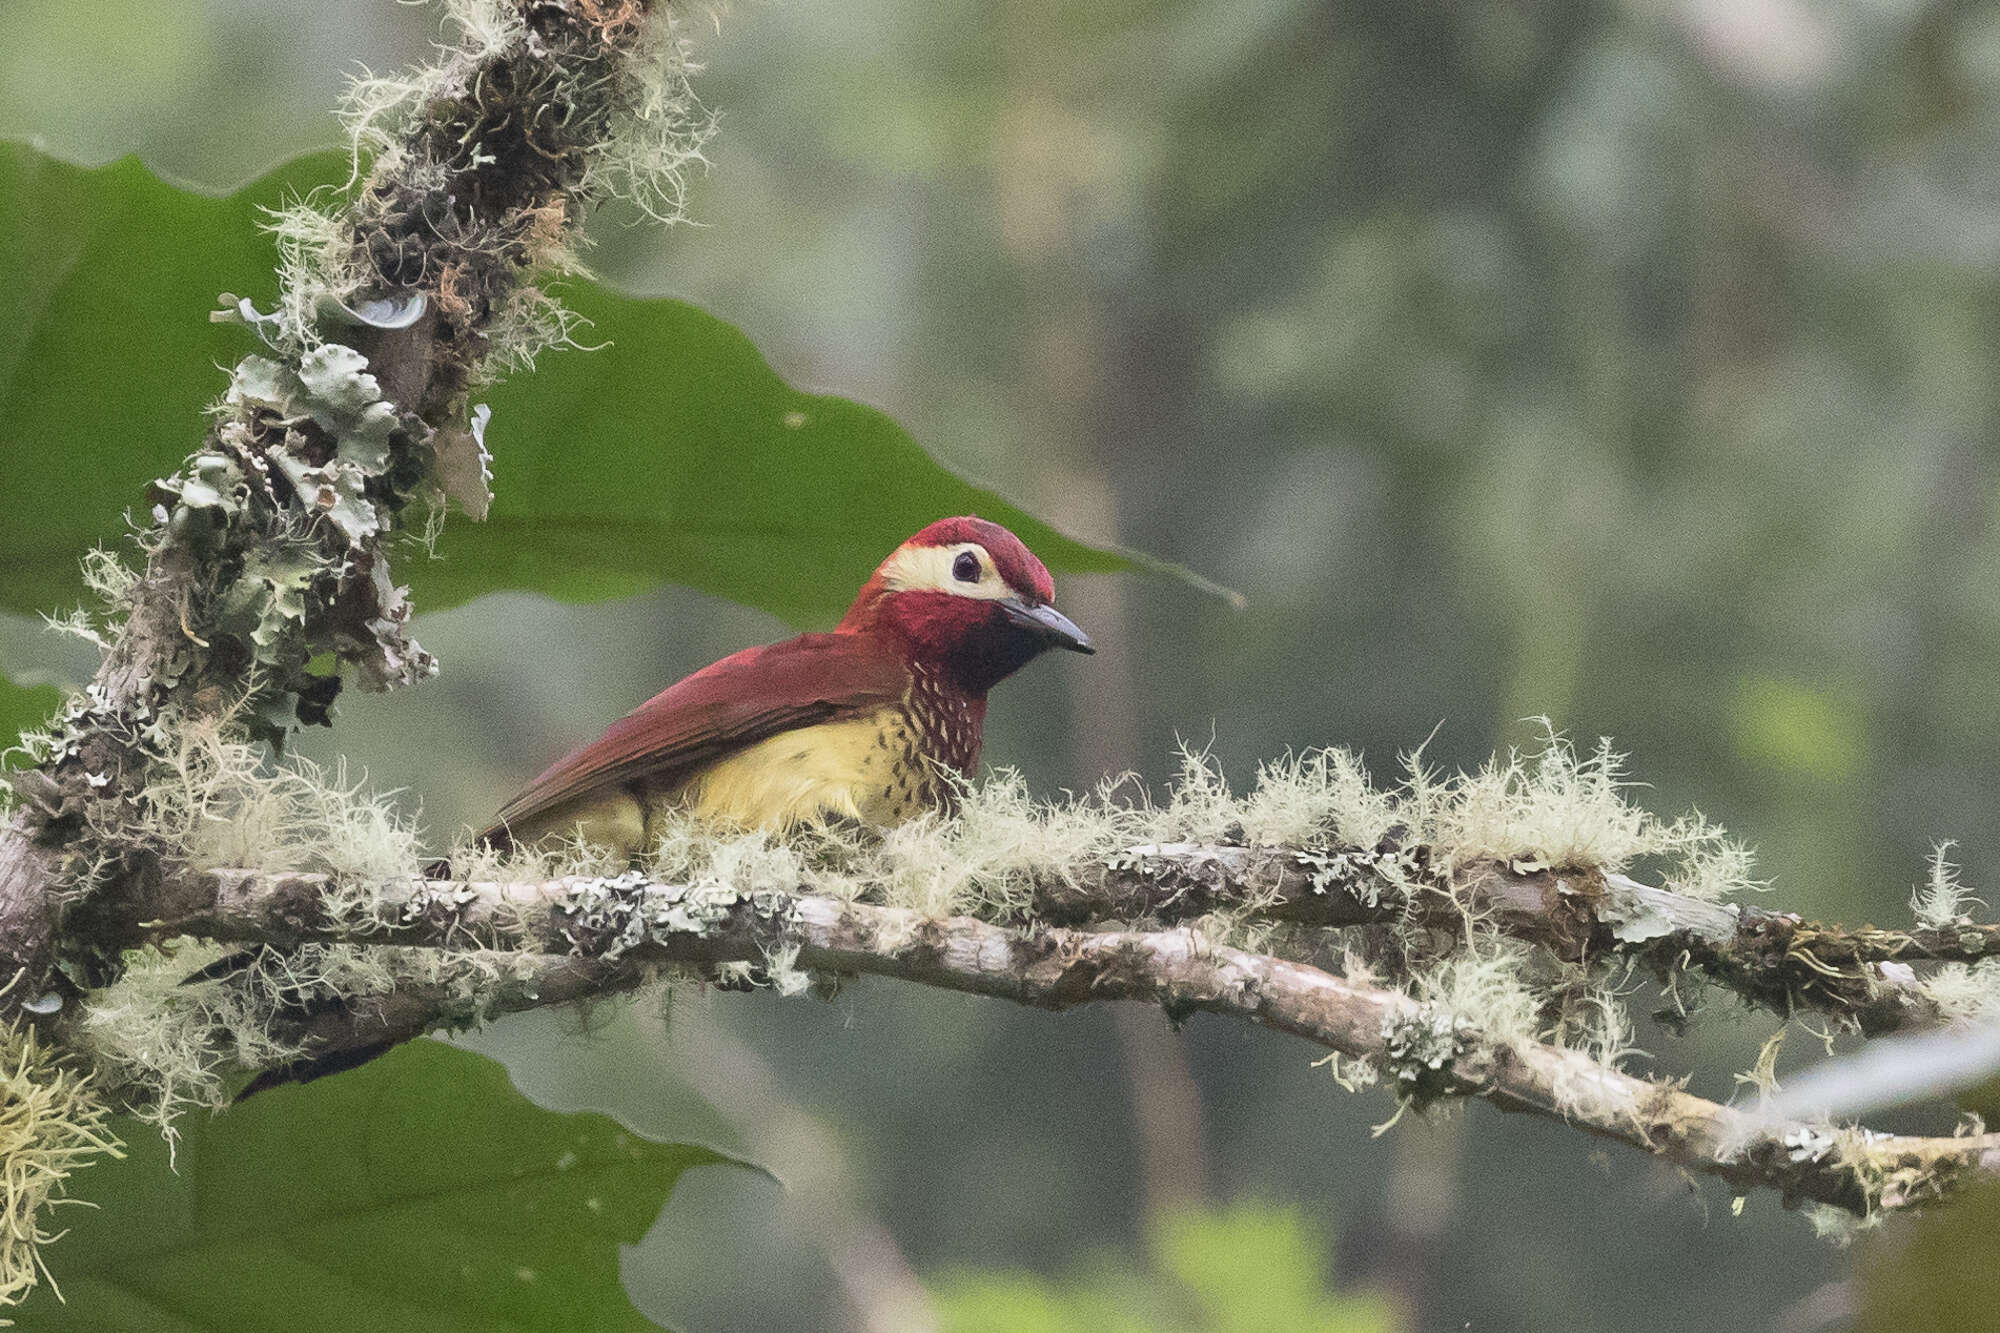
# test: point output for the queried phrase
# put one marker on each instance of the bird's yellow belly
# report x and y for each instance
(863, 768)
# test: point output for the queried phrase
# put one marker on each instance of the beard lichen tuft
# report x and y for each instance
(1965, 992)
(213, 799)
(1943, 899)
(164, 1044)
(1485, 984)
(224, 802)
(51, 1123)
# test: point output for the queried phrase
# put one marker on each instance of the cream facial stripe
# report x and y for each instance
(928, 569)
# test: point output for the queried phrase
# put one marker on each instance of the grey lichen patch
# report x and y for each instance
(608, 918)
(441, 905)
(1350, 1073)
(315, 466)
(1420, 1052)
(1371, 876)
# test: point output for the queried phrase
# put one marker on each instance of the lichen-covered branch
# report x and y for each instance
(586, 935)
(266, 578)
(1860, 978)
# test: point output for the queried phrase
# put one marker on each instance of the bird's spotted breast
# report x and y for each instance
(948, 721)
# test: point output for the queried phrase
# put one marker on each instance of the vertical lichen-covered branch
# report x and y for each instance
(267, 576)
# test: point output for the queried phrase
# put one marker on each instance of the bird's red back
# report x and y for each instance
(720, 709)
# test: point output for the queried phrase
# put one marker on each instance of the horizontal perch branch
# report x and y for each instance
(578, 937)
(1771, 958)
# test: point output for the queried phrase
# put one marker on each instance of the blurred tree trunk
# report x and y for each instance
(1083, 398)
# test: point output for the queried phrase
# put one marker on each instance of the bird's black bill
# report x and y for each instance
(1052, 625)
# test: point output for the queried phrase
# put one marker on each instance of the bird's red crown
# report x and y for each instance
(1017, 565)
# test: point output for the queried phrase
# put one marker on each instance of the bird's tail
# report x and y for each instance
(307, 1068)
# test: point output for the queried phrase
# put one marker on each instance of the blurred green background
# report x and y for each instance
(1628, 363)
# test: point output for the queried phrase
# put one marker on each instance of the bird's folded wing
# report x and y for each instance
(718, 710)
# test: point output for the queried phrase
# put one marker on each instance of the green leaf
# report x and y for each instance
(22, 707)
(1933, 1273)
(675, 454)
(1240, 1269)
(419, 1193)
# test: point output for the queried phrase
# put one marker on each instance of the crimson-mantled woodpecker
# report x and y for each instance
(865, 723)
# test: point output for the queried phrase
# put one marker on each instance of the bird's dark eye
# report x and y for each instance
(966, 568)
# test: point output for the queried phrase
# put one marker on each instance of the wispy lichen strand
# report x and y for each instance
(51, 1123)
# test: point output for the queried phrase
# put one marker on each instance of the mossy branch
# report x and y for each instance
(582, 936)
(1860, 979)
(1498, 903)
